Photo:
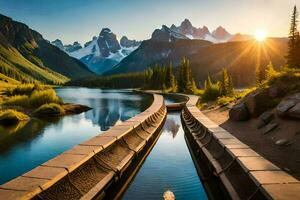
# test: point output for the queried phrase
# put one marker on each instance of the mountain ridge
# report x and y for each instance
(102, 52)
(27, 56)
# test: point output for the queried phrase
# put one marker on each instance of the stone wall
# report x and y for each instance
(97, 168)
(242, 173)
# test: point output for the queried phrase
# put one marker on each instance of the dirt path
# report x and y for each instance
(285, 157)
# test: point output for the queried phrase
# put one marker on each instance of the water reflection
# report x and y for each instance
(172, 127)
(26, 145)
(168, 167)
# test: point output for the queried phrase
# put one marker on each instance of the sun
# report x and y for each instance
(260, 35)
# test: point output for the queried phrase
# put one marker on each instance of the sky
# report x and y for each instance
(80, 20)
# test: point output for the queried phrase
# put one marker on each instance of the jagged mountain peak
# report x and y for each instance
(102, 52)
(204, 28)
(186, 22)
(105, 31)
(221, 33)
(188, 30)
(166, 34)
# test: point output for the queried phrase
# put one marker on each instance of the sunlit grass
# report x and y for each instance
(51, 109)
(31, 96)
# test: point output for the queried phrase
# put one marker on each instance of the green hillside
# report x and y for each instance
(25, 56)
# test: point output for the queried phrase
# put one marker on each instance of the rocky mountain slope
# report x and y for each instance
(102, 52)
(158, 50)
(25, 56)
(188, 30)
(206, 58)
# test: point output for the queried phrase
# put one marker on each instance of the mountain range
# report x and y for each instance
(26, 56)
(102, 52)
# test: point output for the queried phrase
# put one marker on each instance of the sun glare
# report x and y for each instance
(260, 35)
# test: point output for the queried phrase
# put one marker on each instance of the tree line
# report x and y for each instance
(158, 77)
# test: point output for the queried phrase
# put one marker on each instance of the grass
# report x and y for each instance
(225, 100)
(30, 96)
(18, 100)
(25, 89)
(24, 69)
(10, 116)
(38, 98)
(51, 109)
(287, 77)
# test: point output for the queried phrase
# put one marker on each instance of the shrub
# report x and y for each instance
(51, 109)
(211, 92)
(39, 98)
(25, 89)
(18, 100)
(285, 76)
(36, 99)
(10, 116)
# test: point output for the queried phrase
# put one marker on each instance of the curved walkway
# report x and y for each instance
(243, 173)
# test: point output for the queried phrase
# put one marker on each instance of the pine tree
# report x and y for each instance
(292, 59)
(186, 83)
(170, 81)
(226, 84)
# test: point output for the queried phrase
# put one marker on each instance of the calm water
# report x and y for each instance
(169, 166)
(27, 145)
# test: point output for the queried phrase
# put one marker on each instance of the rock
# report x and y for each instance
(294, 111)
(107, 42)
(284, 106)
(258, 102)
(289, 107)
(169, 195)
(281, 142)
(265, 118)
(275, 92)
(239, 112)
(295, 97)
(125, 42)
(268, 128)
(75, 108)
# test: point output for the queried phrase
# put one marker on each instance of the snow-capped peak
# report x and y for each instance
(102, 52)
(188, 30)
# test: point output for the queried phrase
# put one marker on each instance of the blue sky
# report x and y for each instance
(79, 20)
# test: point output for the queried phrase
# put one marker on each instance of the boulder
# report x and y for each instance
(239, 112)
(281, 142)
(275, 91)
(258, 102)
(265, 118)
(283, 107)
(289, 107)
(294, 111)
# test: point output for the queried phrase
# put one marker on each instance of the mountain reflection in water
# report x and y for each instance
(172, 127)
(27, 145)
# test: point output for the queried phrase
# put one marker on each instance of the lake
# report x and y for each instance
(27, 145)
